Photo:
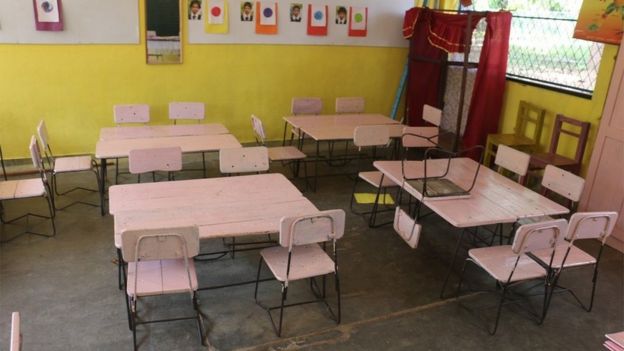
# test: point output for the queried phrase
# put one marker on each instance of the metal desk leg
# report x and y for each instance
(284, 136)
(318, 159)
(102, 185)
(450, 270)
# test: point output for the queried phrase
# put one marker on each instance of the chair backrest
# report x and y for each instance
(186, 111)
(591, 225)
(420, 137)
(244, 160)
(530, 114)
(512, 160)
(406, 227)
(350, 104)
(35, 154)
(539, 236)
(372, 135)
(167, 159)
(306, 106)
(582, 135)
(135, 113)
(315, 228)
(432, 115)
(160, 244)
(258, 129)
(16, 333)
(563, 183)
(42, 132)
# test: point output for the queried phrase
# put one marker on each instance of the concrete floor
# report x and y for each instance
(66, 291)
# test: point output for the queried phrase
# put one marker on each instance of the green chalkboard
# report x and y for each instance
(163, 17)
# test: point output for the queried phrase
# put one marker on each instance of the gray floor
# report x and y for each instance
(65, 289)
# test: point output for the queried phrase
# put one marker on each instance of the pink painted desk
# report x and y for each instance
(615, 341)
(494, 200)
(107, 149)
(332, 128)
(143, 132)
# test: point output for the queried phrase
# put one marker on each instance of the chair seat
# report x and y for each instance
(541, 160)
(499, 261)
(160, 277)
(510, 140)
(21, 189)
(576, 257)
(285, 153)
(307, 261)
(72, 164)
(374, 178)
(531, 220)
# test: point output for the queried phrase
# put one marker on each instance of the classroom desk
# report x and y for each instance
(494, 200)
(163, 131)
(220, 207)
(615, 341)
(333, 128)
(107, 149)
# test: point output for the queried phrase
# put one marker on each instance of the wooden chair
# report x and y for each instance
(423, 136)
(244, 160)
(29, 188)
(168, 159)
(300, 257)
(528, 114)
(346, 105)
(285, 154)
(582, 226)
(193, 111)
(129, 114)
(513, 264)
(301, 106)
(614, 342)
(16, 333)
(509, 159)
(65, 165)
(160, 262)
(540, 160)
(373, 136)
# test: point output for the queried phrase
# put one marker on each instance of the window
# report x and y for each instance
(541, 48)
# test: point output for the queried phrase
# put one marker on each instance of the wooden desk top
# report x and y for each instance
(163, 131)
(336, 127)
(195, 143)
(494, 198)
(221, 207)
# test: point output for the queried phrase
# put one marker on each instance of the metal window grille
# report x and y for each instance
(542, 50)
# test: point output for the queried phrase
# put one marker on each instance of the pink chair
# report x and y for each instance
(513, 264)
(29, 188)
(244, 160)
(346, 105)
(168, 159)
(133, 113)
(512, 160)
(64, 165)
(614, 342)
(16, 334)
(160, 262)
(407, 227)
(303, 106)
(373, 136)
(424, 136)
(129, 114)
(186, 111)
(299, 256)
(583, 226)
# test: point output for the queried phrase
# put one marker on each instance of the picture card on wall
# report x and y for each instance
(266, 17)
(358, 21)
(217, 19)
(317, 20)
(48, 15)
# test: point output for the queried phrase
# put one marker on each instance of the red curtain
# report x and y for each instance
(489, 86)
(433, 35)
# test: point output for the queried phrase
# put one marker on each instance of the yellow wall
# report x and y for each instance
(571, 106)
(74, 87)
